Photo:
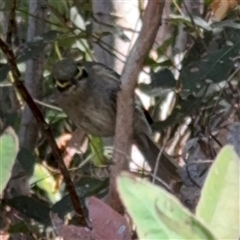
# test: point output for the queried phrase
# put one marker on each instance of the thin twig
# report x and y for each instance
(157, 164)
(48, 105)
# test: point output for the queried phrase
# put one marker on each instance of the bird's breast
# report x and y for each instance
(92, 114)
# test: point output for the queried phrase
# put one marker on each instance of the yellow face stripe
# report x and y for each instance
(80, 72)
(64, 84)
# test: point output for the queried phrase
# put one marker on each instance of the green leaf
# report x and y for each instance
(156, 213)
(214, 68)
(181, 19)
(45, 181)
(8, 152)
(162, 82)
(97, 149)
(219, 204)
(161, 50)
(54, 116)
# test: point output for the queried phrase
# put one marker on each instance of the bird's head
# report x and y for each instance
(67, 73)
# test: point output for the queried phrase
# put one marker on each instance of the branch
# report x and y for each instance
(45, 128)
(29, 128)
(125, 103)
(11, 22)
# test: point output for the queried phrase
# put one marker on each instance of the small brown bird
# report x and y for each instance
(87, 93)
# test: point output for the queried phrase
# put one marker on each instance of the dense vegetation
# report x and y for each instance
(189, 84)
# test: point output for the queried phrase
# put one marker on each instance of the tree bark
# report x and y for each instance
(112, 50)
(34, 74)
(121, 20)
(125, 103)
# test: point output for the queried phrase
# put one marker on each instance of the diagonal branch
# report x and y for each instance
(125, 104)
(45, 128)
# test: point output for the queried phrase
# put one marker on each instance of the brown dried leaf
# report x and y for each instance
(106, 224)
(70, 232)
(221, 8)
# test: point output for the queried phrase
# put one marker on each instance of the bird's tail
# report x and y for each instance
(167, 168)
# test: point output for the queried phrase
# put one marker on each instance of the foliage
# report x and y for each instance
(8, 152)
(159, 214)
(218, 206)
(201, 73)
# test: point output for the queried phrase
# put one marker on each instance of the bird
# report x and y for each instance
(87, 93)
